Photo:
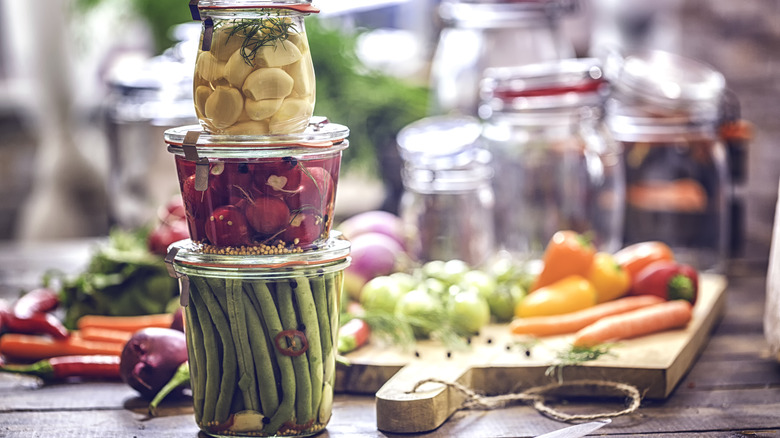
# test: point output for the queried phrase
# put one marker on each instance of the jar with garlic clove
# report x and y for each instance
(254, 73)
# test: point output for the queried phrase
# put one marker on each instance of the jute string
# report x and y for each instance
(536, 396)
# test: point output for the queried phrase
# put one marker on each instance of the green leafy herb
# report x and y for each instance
(258, 33)
(573, 356)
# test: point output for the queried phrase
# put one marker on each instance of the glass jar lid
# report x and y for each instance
(503, 13)
(299, 5)
(547, 85)
(186, 258)
(665, 80)
(440, 142)
(319, 136)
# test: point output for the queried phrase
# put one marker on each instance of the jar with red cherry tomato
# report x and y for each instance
(258, 195)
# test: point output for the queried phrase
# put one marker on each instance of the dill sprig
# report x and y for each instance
(576, 355)
(256, 33)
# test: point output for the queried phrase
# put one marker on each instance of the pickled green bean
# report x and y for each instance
(238, 327)
(195, 351)
(258, 341)
(229, 366)
(324, 315)
(286, 409)
(212, 373)
(308, 312)
(303, 388)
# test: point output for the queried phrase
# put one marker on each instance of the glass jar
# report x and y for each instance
(556, 165)
(496, 33)
(261, 337)
(447, 204)
(254, 73)
(259, 194)
(144, 100)
(665, 111)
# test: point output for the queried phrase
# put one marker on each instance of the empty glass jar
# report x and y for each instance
(665, 111)
(556, 166)
(447, 204)
(480, 34)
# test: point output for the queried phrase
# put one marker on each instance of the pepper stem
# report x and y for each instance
(42, 369)
(180, 378)
(681, 288)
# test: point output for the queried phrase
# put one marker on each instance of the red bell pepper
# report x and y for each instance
(669, 280)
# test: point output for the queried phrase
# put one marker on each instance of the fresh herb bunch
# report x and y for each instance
(257, 33)
(576, 356)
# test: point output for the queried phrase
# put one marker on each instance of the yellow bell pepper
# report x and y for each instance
(609, 279)
(567, 295)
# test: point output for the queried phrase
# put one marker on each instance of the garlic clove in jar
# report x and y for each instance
(209, 68)
(237, 69)
(224, 106)
(247, 128)
(281, 53)
(302, 73)
(293, 116)
(261, 109)
(268, 83)
(202, 93)
(223, 44)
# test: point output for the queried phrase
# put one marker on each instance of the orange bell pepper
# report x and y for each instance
(567, 253)
(633, 258)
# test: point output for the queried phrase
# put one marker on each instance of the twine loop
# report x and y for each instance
(535, 395)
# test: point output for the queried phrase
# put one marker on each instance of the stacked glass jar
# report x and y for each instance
(261, 274)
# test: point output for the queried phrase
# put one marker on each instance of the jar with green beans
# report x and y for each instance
(261, 337)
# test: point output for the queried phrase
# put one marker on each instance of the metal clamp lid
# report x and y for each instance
(303, 6)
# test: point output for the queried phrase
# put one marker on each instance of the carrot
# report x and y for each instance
(126, 323)
(104, 334)
(34, 348)
(639, 322)
(573, 321)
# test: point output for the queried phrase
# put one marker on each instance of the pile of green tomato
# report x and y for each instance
(447, 292)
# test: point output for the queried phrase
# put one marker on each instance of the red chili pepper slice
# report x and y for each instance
(291, 342)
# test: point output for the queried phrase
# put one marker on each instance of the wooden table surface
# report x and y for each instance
(733, 388)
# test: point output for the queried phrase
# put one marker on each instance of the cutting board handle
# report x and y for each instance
(399, 409)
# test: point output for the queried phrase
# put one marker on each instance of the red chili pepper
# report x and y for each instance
(291, 342)
(353, 335)
(34, 324)
(39, 300)
(61, 367)
(669, 280)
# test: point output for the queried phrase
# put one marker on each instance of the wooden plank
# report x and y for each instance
(654, 364)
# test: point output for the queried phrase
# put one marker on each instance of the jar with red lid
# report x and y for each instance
(481, 34)
(254, 73)
(556, 166)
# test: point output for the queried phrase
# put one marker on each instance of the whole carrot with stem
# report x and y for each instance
(571, 322)
(653, 319)
(567, 253)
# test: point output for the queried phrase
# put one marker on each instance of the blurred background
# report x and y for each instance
(88, 86)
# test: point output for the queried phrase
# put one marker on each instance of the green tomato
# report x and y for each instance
(406, 281)
(381, 294)
(418, 307)
(483, 282)
(435, 287)
(469, 311)
(433, 269)
(504, 299)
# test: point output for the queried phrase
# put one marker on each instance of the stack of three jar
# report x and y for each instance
(261, 274)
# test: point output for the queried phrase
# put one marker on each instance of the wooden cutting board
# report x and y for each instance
(497, 362)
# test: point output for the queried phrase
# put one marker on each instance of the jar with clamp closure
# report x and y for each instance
(253, 74)
(556, 165)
